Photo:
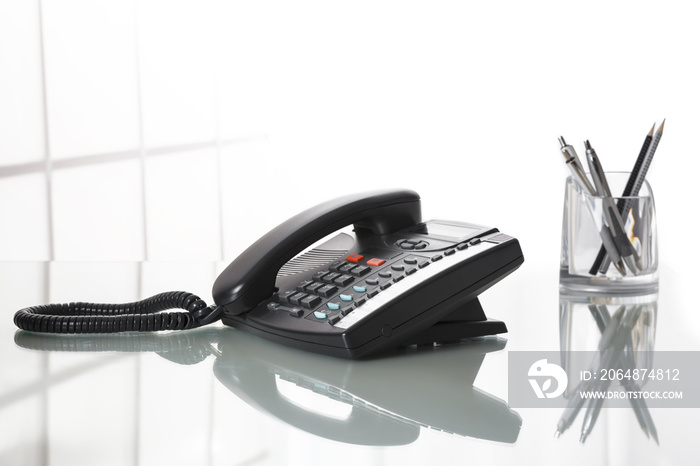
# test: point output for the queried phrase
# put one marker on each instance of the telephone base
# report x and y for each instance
(468, 321)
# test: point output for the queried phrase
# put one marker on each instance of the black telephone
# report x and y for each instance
(398, 281)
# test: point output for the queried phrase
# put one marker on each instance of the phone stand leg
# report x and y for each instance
(468, 321)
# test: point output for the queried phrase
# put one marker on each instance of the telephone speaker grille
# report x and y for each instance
(309, 260)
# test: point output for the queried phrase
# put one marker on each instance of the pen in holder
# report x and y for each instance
(603, 251)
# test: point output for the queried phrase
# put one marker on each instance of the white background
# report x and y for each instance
(282, 105)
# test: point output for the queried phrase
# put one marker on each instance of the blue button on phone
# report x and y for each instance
(359, 289)
(320, 315)
(345, 297)
(333, 306)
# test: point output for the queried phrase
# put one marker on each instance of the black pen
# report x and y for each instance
(601, 258)
(638, 181)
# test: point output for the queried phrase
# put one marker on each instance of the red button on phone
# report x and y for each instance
(354, 258)
(375, 262)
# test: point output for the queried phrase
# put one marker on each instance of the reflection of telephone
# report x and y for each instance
(384, 401)
(399, 281)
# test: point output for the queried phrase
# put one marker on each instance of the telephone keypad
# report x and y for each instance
(336, 292)
(311, 301)
(284, 296)
(344, 280)
(329, 278)
(313, 288)
(335, 266)
(360, 270)
(347, 268)
(297, 298)
(327, 291)
(302, 285)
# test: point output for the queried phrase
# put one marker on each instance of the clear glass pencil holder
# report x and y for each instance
(604, 253)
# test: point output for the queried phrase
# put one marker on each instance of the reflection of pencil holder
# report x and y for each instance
(586, 323)
(615, 236)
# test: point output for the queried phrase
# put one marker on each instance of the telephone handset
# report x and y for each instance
(396, 281)
(250, 278)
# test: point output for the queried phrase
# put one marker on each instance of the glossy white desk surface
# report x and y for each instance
(217, 396)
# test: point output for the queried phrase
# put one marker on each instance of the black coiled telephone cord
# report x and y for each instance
(139, 316)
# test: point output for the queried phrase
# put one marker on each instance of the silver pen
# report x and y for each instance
(578, 174)
(612, 215)
(574, 164)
